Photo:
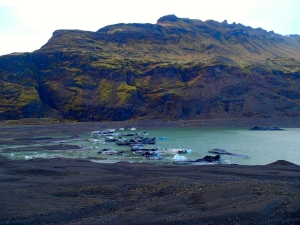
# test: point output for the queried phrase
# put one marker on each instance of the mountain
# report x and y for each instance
(175, 69)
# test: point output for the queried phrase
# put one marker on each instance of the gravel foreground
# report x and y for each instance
(65, 191)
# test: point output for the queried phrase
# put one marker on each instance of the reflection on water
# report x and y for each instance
(75, 141)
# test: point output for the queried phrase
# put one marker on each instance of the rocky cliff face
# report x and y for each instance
(175, 69)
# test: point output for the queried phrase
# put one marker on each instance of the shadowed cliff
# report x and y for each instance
(175, 69)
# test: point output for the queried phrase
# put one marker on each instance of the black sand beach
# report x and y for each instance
(62, 191)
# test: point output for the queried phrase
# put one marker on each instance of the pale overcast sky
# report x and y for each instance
(26, 25)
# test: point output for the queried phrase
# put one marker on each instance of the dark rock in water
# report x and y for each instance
(265, 128)
(109, 151)
(182, 151)
(145, 149)
(282, 163)
(149, 154)
(206, 159)
(209, 159)
(224, 152)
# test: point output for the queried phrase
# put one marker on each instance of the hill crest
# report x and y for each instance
(175, 69)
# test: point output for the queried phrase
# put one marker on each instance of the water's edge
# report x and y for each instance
(62, 140)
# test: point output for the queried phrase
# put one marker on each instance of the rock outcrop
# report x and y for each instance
(174, 69)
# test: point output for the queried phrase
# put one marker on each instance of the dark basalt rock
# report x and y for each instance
(224, 152)
(209, 158)
(265, 128)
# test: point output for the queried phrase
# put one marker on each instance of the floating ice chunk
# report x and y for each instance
(28, 157)
(108, 161)
(178, 150)
(179, 158)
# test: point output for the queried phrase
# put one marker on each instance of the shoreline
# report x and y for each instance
(64, 191)
(288, 122)
(78, 191)
(37, 137)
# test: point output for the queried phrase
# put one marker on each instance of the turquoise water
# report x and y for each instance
(262, 147)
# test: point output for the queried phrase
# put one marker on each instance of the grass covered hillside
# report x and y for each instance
(175, 69)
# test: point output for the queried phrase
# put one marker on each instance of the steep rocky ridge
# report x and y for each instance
(175, 69)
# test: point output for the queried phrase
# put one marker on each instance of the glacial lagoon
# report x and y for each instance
(75, 141)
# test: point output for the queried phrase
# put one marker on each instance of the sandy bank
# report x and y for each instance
(62, 191)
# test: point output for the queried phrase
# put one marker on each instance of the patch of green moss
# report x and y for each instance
(28, 95)
(76, 98)
(74, 70)
(15, 97)
(85, 81)
(124, 91)
(108, 64)
(104, 93)
(179, 84)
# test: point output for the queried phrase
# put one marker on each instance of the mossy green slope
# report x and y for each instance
(19, 97)
(175, 69)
